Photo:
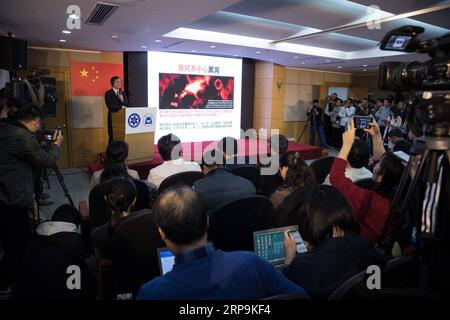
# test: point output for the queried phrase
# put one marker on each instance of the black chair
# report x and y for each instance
(251, 173)
(135, 259)
(182, 178)
(322, 168)
(231, 227)
(99, 211)
(344, 290)
(400, 272)
(368, 183)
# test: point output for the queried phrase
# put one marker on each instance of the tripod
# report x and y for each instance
(435, 148)
(303, 131)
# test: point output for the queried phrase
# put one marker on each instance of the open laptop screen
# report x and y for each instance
(166, 260)
(268, 244)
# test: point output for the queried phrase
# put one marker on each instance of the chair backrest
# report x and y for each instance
(347, 286)
(99, 211)
(251, 173)
(368, 183)
(231, 227)
(135, 260)
(322, 168)
(182, 178)
(400, 272)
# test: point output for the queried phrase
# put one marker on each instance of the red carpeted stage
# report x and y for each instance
(193, 151)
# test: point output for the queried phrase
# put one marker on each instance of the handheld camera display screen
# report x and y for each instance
(398, 42)
(362, 122)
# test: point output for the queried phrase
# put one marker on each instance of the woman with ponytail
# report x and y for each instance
(120, 195)
(115, 166)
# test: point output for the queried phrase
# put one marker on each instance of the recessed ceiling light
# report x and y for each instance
(143, 47)
(115, 37)
(364, 65)
(66, 32)
(339, 67)
(193, 50)
(258, 52)
(212, 47)
(157, 40)
(327, 60)
(303, 62)
(271, 59)
(235, 55)
(364, 70)
(296, 57)
(62, 40)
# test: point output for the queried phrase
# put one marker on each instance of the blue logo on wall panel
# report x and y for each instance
(148, 119)
(134, 120)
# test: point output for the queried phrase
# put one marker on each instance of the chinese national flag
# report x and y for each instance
(92, 78)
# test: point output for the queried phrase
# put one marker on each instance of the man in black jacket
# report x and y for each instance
(20, 151)
(115, 100)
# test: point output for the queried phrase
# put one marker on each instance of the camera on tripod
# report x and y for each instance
(38, 89)
(430, 79)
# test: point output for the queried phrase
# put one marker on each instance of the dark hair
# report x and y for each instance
(299, 174)
(359, 154)
(316, 101)
(349, 99)
(395, 133)
(394, 110)
(166, 144)
(228, 145)
(282, 143)
(388, 100)
(116, 154)
(325, 207)
(113, 79)
(120, 193)
(402, 145)
(67, 213)
(29, 112)
(391, 167)
(212, 154)
(181, 214)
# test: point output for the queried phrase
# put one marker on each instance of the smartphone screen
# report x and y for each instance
(301, 247)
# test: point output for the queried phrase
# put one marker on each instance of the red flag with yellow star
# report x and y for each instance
(92, 78)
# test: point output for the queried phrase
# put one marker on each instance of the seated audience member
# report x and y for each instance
(201, 271)
(371, 206)
(120, 195)
(229, 148)
(402, 145)
(295, 173)
(393, 136)
(271, 182)
(358, 160)
(169, 147)
(54, 247)
(219, 185)
(116, 164)
(336, 252)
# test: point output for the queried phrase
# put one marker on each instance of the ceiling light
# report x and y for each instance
(212, 47)
(66, 32)
(62, 40)
(235, 55)
(157, 40)
(296, 57)
(364, 70)
(115, 37)
(258, 52)
(303, 62)
(193, 50)
(339, 67)
(143, 47)
(327, 60)
(364, 65)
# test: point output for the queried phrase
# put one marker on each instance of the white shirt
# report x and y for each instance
(353, 174)
(169, 168)
(116, 91)
(346, 115)
(95, 180)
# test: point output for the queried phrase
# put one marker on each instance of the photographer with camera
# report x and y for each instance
(314, 114)
(20, 152)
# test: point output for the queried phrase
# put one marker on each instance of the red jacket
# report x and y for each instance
(371, 208)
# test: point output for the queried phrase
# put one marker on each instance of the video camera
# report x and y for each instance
(431, 79)
(48, 135)
(38, 89)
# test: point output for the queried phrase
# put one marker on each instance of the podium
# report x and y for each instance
(140, 145)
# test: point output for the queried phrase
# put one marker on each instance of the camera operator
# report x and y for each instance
(315, 113)
(327, 121)
(20, 151)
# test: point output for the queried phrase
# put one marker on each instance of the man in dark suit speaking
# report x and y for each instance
(115, 100)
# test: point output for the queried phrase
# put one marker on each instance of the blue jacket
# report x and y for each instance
(221, 186)
(209, 274)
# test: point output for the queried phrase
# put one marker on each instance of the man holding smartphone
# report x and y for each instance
(20, 152)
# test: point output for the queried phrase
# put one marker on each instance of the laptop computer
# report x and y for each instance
(166, 260)
(268, 244)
